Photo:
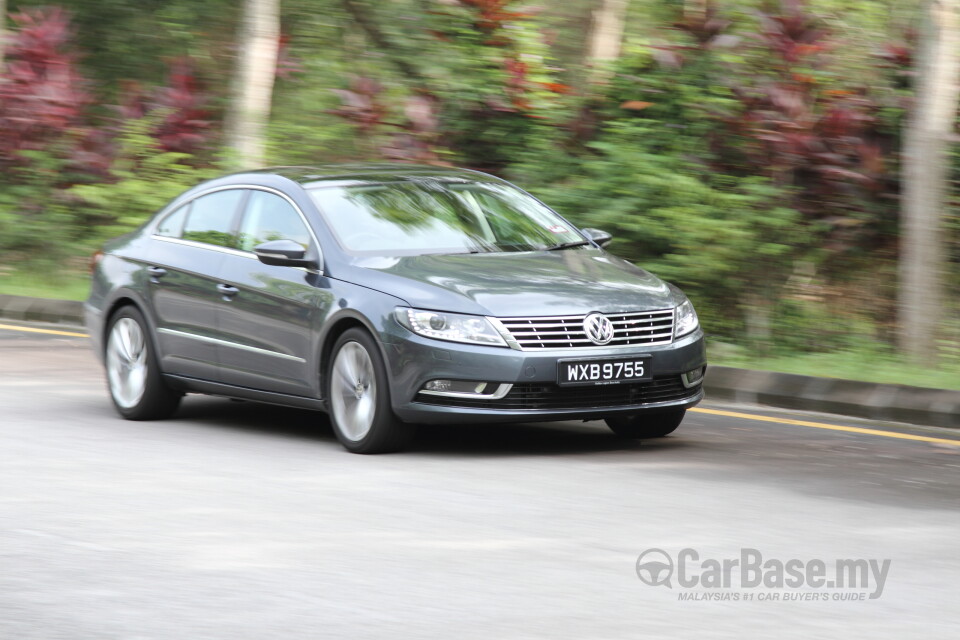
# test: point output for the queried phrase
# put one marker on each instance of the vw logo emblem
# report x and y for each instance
(598, 328)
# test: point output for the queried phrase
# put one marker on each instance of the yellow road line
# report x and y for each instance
(831, 427)
(50, 331)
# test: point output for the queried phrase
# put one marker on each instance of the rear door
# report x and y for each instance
(192, 244)
(269, 324)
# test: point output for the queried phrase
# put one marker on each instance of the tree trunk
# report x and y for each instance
(606, 36)
(256, 65)
(925, 167)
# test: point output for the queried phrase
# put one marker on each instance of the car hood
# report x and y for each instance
(570, 282)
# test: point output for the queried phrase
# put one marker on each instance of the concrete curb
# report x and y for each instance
(41, 310)
(893, 402)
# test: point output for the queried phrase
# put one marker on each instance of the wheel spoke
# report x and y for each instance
(137, 352)
(353, 391)
(126, 357)
(346, 372)
(123, 339)
(360, 364)
(364, 410)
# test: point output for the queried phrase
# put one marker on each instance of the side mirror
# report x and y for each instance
(602, 238)
(282, 253)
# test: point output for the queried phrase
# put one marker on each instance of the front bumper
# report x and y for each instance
(412, 361)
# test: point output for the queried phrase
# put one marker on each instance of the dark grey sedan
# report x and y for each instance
(389, 296)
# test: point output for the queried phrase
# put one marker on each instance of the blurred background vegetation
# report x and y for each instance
(747, 150)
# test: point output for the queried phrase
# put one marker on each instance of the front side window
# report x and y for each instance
(211, 218)
(417, 217)
(270, 217)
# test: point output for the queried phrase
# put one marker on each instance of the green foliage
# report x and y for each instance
(302, 131)
(59, 280)
(718, 237)
(868, 363)
(143, 180)
(474, 81)
(126, 41)
(811, 326)
(35, 225)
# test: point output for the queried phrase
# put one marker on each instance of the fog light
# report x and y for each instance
(469, 389)
(693, 378)
(457, 386)
(438, 385)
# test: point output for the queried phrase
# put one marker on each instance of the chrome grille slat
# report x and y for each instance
(583, 340)
(664, 336)
(635, 328)
(539, 319)
(532, 327)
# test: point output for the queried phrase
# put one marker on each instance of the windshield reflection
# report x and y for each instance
(424, 216)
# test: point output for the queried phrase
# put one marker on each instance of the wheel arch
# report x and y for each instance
(123, 298)
(345, 320)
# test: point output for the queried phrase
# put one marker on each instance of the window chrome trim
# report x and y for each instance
(246, 254)
(227, 343)
(204, 245)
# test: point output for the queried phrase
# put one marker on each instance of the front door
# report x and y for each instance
(269, 324)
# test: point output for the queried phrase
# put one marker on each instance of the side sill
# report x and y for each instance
(196, 385)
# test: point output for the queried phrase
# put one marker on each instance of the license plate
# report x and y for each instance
(604, 371)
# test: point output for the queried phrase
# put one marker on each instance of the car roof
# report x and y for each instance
(376, 172)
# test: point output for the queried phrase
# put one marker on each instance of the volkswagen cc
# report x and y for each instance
(389, 296)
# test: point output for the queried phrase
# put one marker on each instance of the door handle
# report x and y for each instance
(227, 291)
(156, 273)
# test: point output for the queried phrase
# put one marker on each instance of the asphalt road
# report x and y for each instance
(237, 520)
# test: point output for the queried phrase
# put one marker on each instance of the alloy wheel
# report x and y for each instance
(127, 362)
(353, 397)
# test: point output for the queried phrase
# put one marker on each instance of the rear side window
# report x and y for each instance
(270, 217)
(211, 218)
(172, 225)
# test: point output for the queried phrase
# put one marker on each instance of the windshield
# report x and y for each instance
(416, 217)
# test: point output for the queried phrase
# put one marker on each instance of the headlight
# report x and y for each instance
(450, 326)
(687, 320)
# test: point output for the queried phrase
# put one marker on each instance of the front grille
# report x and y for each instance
(549, 396)
(566, 332)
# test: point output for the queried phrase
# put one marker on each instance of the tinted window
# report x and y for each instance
(172, 225)
(211, 218)
(434, 216)
(270, 217)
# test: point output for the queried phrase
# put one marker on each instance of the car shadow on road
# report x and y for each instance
(519, 439)
(255, 417)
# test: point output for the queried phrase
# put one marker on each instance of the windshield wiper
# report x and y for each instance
(567, 245)
(453, 253)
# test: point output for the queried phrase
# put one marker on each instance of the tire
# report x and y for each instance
(134, 378)
(358, 397)
(646, 425)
